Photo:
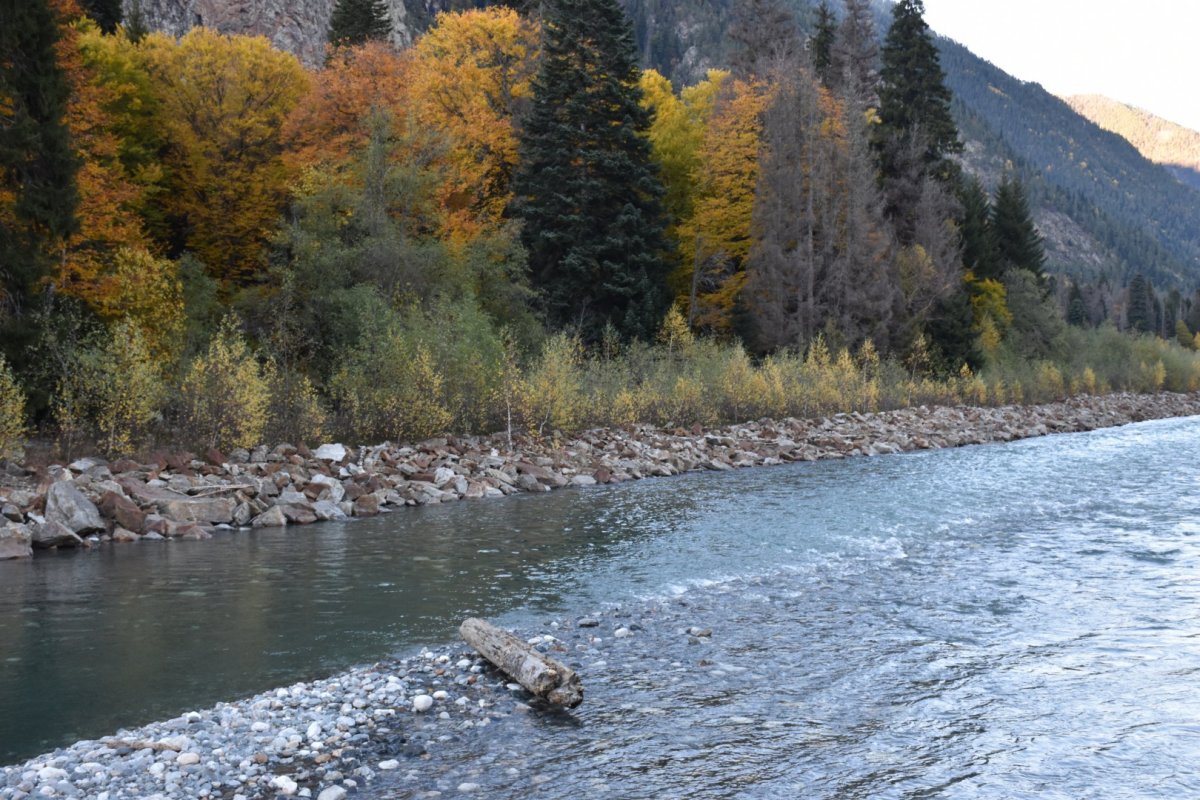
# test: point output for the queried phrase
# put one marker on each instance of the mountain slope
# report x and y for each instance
(1175, 147)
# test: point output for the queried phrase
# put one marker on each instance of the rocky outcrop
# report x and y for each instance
(184, 497)
(299, 27)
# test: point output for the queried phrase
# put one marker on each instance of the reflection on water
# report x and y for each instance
(1015, 620)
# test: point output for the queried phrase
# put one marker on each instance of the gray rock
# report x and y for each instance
(332, 793)
(583, 480)
(54, 534)
(181, 507)
(66, 505)
(16, 541)
(331, 452)
(325, 510)
(332, 490)
(242, 515)
(271, 518)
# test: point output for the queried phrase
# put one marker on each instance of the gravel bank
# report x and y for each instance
(91, 502)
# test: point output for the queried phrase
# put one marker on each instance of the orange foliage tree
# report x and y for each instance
(471, 75)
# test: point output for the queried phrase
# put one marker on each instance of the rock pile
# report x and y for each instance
(185, 497)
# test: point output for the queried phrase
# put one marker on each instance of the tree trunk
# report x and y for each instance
(541, 675)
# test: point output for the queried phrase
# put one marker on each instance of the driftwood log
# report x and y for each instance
(541, 675)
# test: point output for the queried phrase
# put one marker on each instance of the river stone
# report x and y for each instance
(285, 785)
(421, 703)
(16, 541)
(332, 489)
(66, 505)
(54, 534)
(296, 507)
(11, 513)
(120, 534)
(325, 510)
(583, 480)
(121, 510)
(182, 507)
(366, 506)
(271, 518)
(330, 452)
(332, 793)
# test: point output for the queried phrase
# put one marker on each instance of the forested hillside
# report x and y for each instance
(510, 224)
(1162, 141)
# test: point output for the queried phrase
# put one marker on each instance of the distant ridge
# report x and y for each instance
(1160, 140)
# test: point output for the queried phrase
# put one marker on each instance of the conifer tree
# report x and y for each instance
(356, 21)
(107, 13)
(1139, 313)
(823, 38)
(1076, 308)
(586, 189)
(975, 229)
(913, 97)
(1018, 243)
(37, 162)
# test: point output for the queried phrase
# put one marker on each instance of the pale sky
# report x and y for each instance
(1142, 52)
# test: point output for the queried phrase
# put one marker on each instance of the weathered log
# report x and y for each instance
(540, 674)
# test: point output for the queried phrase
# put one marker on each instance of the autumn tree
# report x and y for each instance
(677, 133)
(38, 194)
(586, 189)
(354, 22)
(715, 241)
(329, 126)
(223, 101)
(470, 81)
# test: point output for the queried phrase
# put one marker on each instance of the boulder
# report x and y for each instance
(271, 518)
(119, 534)
(331, 452)
(366, 506)
(16, 541)
(330, 489)
(121, 510)
(296, 507)
(66, 505)
(327, 510)
(181, 507)
(54, 534)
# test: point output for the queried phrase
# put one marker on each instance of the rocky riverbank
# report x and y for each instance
(90, 501)
(323, 739)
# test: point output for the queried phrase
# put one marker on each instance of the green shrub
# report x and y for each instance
(223, 397)
(12, 415)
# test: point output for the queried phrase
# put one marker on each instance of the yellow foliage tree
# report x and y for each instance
(224, 396)
(147, 291)
(12, 414)
(716, 240)
(552, 392)
(470, 73)
(223, 102)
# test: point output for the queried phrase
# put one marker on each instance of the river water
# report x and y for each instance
(998, 621)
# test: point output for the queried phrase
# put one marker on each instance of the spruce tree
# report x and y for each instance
(913, 96)
(824, 35)
(586, 190)
(855, 70)
(37, 161)
(1077, 314)
(106, 13)
(356, 21)
(1139, 313)
(975, 230)
(1018, 243)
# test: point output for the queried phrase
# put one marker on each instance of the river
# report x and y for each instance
(996, 621)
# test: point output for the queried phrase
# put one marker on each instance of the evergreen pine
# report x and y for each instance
(356, 21)
(975, 230)
(106, 13)
(913, 96)
(1076, 308)
(586, 189)
(1018, 244)
(136, 27)
(1139, 314)
(37, 162)
(855, 55)
(824, 35)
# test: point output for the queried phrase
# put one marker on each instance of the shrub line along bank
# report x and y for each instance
(91, 501)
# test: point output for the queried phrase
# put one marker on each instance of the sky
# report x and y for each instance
(1145, 53)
